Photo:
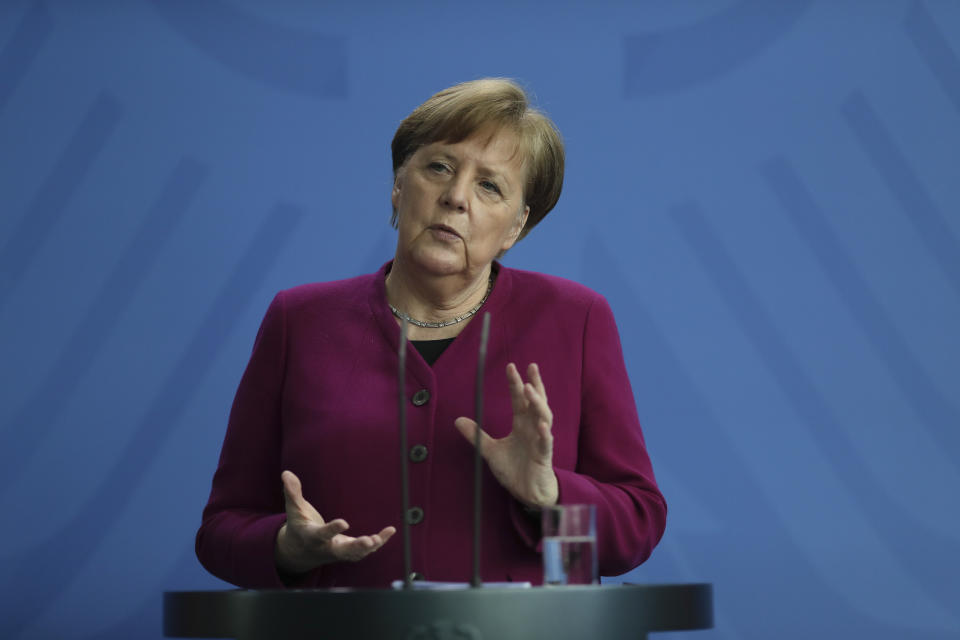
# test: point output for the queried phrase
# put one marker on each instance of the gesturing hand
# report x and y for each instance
(523, 460)
(307, 541)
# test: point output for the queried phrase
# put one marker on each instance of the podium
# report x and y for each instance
(611, 612)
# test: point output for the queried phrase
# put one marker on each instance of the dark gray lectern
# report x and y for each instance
(610, 612)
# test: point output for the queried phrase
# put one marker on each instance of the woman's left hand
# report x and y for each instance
(522, 461)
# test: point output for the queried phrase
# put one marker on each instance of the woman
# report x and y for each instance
(475, 169)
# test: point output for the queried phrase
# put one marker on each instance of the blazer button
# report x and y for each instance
(421, 397)
(415, 575)
(418, 453)
(414, 515)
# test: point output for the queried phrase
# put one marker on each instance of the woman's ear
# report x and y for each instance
(515, 231)
(395, 192)
(521, 222)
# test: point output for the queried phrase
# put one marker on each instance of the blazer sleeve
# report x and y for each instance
(245, 511)
(613, 468)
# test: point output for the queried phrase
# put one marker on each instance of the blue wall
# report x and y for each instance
(766, 191)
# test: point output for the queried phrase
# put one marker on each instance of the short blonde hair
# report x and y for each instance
(465, 109)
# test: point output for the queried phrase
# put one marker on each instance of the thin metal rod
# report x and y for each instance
(477, 458)
(404, 474)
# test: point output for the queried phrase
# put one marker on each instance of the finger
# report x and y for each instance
(386, 533)
(292, 488)
(291, 483)
(294, 502)
(377, 540)
(538, 402)
(356, 548)
(349, 549)
(545, 444)
(365, 543)
(326, 532)
(516, 388)
(361, 547)
(545, 429)
(468, 428)
(533, 373)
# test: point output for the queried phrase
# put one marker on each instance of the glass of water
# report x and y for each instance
(570, 544)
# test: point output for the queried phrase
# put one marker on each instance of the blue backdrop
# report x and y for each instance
(766, 191)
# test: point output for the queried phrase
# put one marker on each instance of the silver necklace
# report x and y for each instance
(445, 323)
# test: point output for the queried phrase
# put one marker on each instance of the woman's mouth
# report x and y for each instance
(443, 232)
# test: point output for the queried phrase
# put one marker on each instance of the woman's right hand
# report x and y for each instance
(307, 541)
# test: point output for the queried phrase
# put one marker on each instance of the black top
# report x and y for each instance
(431, 349)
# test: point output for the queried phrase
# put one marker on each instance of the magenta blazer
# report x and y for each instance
(319, 397)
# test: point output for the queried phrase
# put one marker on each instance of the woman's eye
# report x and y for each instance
(438, 167)
(490, 186)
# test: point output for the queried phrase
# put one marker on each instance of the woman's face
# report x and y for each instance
(460, 204)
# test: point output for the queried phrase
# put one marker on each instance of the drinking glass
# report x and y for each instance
(570, 544)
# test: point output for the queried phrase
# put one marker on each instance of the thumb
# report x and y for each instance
(296, 506)
(468, 428)
(292, 489)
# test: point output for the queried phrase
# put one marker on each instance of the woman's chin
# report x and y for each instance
(440, 263)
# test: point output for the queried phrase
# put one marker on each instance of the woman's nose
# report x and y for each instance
(457, 194)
